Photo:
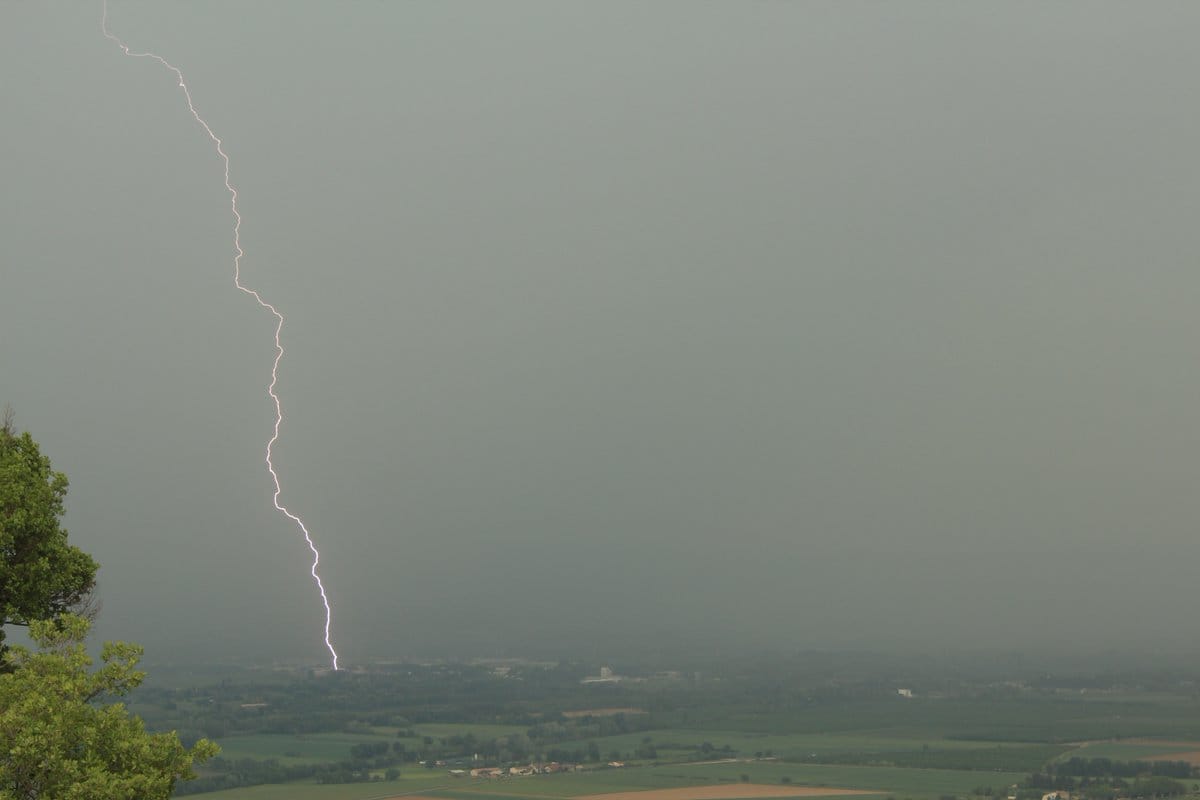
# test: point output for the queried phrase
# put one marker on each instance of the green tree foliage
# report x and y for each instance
(41, 575)
(56, 741)
(59, 738)
(1157, 786)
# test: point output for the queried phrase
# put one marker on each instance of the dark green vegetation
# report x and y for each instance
(803, 721)
(1105, 779)
(41, 575)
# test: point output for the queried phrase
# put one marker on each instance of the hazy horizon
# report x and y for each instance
(788, 325)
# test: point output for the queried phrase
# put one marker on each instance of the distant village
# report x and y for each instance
(528, 769)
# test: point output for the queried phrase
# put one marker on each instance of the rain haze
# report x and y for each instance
(615, 325)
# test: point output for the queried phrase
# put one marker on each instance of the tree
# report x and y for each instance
(41, 576)
(56, 742)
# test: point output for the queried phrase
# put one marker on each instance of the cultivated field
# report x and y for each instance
(745, 739)
(1176, 751)
(723, 792)
(1140, 750)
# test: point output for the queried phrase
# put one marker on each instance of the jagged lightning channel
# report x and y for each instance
(237, 281)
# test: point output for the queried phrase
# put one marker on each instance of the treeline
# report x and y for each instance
(1107, 768)
(1105, 779)
(363, 766)
(537, 741)
(1107, 788)
(991, 759)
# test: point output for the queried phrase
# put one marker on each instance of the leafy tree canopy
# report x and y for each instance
(41, 575)
(59, 738)
(57, 741)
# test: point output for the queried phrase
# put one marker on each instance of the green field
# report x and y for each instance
(892, 759)
(1129, 751)
(310, 791)
(922, 784)
(1028, 719)
(905, 782)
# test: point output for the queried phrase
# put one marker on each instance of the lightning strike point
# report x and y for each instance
(237, 282)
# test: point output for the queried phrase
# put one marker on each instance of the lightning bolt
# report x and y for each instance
(237, 281)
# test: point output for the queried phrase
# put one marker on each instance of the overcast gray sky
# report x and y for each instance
(805, 324)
